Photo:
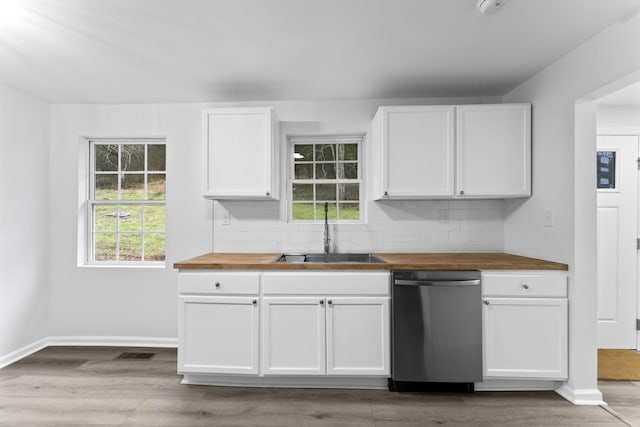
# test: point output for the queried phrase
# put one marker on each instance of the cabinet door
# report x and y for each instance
(358, 336)
(240, 153)
(416, 149)
(525, 338)
(493, 150)
(293, 336)
(218, 334)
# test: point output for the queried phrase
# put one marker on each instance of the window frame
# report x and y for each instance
(92, 203)
(292, 140)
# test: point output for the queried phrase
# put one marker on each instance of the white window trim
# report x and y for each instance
(87, 259)
(358, 139)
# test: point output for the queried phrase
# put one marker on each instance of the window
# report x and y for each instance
(606, 164)
(325, 169)
(126, 203)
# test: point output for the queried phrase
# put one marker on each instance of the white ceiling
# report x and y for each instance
(123, 51)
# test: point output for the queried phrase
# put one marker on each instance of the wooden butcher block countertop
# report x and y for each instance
(398, 261)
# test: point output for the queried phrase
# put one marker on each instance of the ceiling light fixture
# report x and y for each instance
(489, 7)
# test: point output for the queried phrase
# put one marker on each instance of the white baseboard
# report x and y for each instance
(581, 396)
(88, 341)
(23, 352)
(115, 341)
(514, 385)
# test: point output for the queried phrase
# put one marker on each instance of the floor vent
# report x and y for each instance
(136, 356)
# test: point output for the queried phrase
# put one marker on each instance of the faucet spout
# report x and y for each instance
(326, 228)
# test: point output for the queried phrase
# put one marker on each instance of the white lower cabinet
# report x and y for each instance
(293, 330)
(325, 335)
(525, 326)
(284, 324)
(341, 333)
(219, 322)
(358, 336)
(218, 334)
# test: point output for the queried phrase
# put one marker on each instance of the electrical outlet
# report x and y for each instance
(444, 216)
(548, 218)
(226, 218)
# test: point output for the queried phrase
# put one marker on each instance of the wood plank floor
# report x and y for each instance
(82, 386)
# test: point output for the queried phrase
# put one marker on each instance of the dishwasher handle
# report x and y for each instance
(400, 282)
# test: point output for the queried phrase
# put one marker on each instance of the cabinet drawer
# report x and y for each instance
(219, 283)
(524, 285)
(327, 283)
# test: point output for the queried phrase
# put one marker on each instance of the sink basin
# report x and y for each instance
(331, 258)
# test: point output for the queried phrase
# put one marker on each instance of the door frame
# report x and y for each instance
(629, 131)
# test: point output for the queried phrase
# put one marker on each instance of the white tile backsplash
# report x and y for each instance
(391, 226)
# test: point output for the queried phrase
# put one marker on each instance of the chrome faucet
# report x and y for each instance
(326, 228)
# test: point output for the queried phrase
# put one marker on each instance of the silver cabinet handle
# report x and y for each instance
(254, 302)
(401, 282)
(461, 193)
(217, 285)
(525, 286)
(321, 302)
(486, 302)
(267, 193)
(386, 193)
(329, 302)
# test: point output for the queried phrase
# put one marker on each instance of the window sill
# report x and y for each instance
(153, 266)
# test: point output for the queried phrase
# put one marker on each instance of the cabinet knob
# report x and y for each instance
(461, 192)
(321, 302)
(525, 286)
(217, 285)
(329, 302)
(254, 302)
(268, 194)
(386, 193)
(486, 302)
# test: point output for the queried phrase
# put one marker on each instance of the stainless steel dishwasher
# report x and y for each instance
(436, 327)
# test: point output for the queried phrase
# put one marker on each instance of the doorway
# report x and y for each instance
(618, 215)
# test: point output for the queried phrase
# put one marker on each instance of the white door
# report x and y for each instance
(293, 336)
(525, 338)
(493, 150)
(218, 334)
(238, 153)
(358, 336)
(418, 151)
(616, 233)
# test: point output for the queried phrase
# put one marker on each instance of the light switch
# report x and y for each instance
(548, 218)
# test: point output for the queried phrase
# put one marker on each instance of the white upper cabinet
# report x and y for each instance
(240, 153)
(441, 152)
(493, 150)
(415, 152)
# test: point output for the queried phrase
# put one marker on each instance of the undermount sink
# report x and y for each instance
(330, 258)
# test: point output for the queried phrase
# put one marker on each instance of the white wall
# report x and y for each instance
(563, 177)
(123, 303)
(24, 226)
(135, 302)
(621, 117)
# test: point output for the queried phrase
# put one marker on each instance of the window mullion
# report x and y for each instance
(146, 176)
(142, 230)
